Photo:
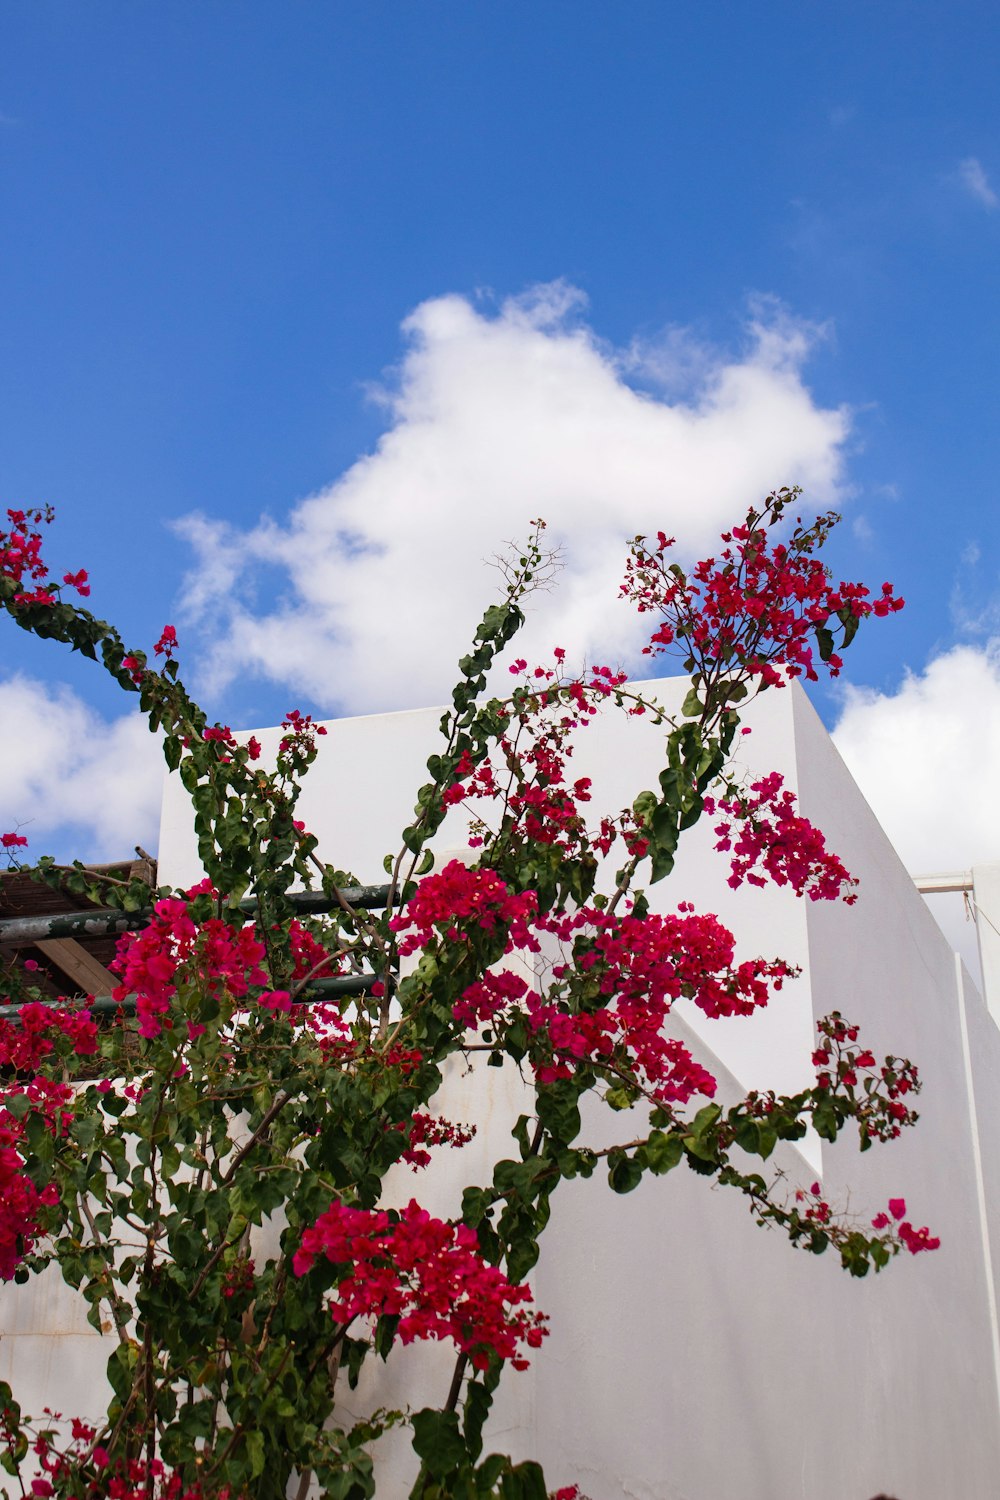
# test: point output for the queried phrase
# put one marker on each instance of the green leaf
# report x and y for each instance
(850, 622)
(492, 623)
(254, 1440)
(825, 1120)
(624, 1172)
(489, 1472)
(663, 1152)
(643, 806)
(385, 1334)
(824, 640)
(524, 1482)
(353, 1356)
(478, 1400)
(705, 1119)
(437, 1441)
(558, 1111)
(692, 706)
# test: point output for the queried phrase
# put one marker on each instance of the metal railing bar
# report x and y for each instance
(319, 992)
(110, 922)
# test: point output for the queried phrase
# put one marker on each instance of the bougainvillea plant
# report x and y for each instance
(206, 1166)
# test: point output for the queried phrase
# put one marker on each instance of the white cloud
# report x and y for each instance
(974, 603)
(69, 775)
(492, 420)
(973, 178)
(925, 758)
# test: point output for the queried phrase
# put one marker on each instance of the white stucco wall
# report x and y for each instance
(693, 1356)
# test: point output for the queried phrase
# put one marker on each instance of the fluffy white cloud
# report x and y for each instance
(975, 181)
(926, 755)
(493, 420)
(76, 785)
(925, 758)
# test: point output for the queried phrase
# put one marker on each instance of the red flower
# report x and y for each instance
(78, 581)
(428, 1274)
(768, 838)
(276, 1000)
(754, 610)
(916, 1240)
(167, 644)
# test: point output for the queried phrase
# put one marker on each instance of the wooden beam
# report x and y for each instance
(78, 965)
(936, 885)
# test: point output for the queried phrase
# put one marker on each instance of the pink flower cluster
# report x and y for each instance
(165, 646)
(83, 1467)
(297, 746)
(135, 669)
(167, 643)
(756, 607)
(22, 1048)
(424, 1130)
(627, 1039)
(842, 1065)
(9, 844)
(21, 560)
(819, 1211)
(642, 965)
(331, 1031)
(765, 834)
(175, 949)
(584, 691)
(470, 781)
(489, 997)
(535, 795)
(309, 957)
(915, 1240)
(427, 1273)
(21, 1201)
(458, 900)
(660, 958)
(821, 1214)
(533, 788)
(637, 967)
(239, 1279)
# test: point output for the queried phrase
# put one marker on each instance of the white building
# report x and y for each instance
(693, 1356)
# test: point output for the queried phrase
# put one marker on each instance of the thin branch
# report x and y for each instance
(456, 1382)
(114, 1301)
(244, 1151)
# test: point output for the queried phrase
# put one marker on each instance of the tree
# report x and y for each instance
(277, 1066)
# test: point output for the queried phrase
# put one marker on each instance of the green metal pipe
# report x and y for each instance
(319, 991)
(23, 930)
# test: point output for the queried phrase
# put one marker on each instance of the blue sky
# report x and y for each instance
(439, 266)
